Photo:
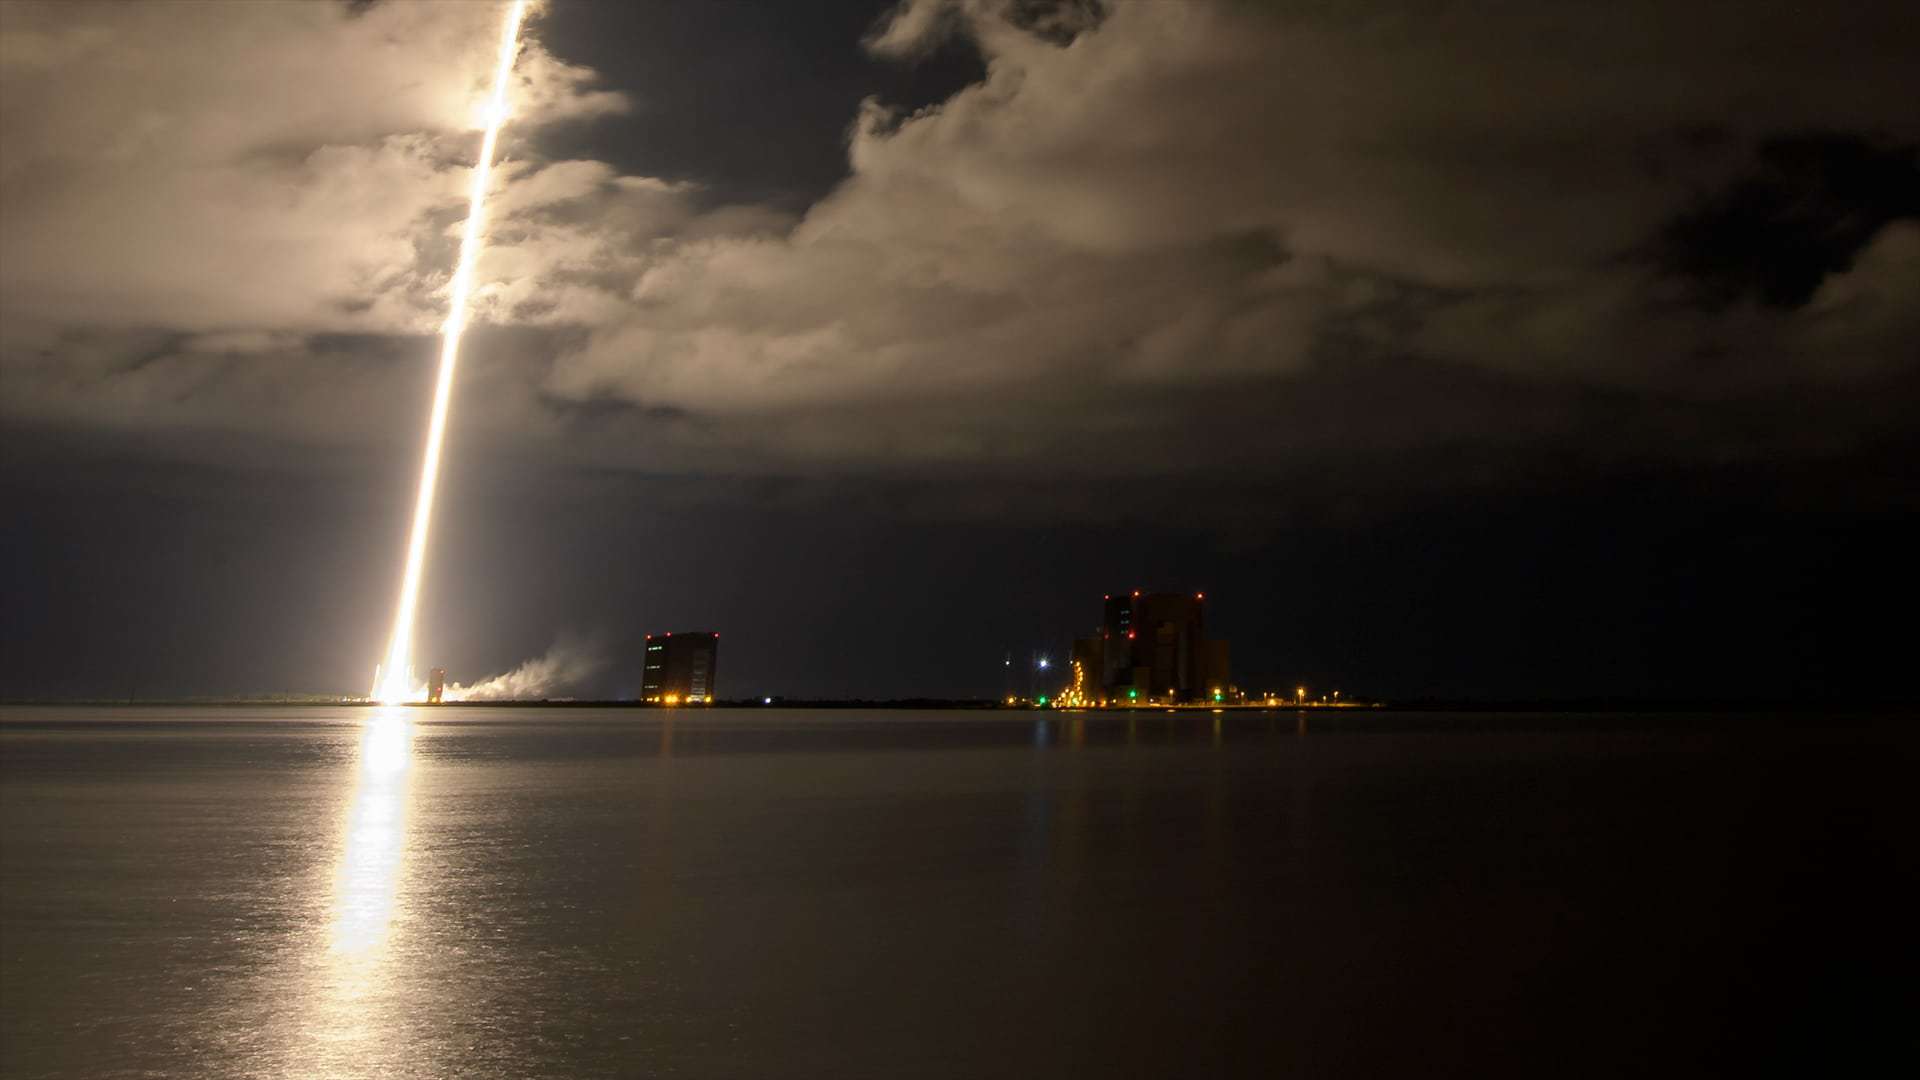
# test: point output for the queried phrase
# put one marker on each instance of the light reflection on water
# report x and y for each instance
(418, 895)
(374, 841)
(354, 1003)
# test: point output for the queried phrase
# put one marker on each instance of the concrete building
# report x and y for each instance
(679, 668)
(436, 684)
(1154, 647)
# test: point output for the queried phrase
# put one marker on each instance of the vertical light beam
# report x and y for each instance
(393, 680)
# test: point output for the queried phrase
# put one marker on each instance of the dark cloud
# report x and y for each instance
(1805, 211)
(916, 27)
(749, 100)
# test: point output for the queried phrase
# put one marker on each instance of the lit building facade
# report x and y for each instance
(1154, 647)
(679, 668)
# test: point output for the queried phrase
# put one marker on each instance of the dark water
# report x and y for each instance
(356, 893)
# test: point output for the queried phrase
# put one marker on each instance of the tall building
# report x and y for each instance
(436, 685)
(679, 668)
(1154, 647)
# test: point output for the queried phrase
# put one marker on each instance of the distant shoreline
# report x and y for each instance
(1575, 705)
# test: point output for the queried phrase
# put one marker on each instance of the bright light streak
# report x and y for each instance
(393, 680)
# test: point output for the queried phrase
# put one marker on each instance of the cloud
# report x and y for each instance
(1126, 223)
(1155, 237)
(284, 168)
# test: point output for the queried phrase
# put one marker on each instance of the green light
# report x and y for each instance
(1133, 695)
(1043, 699)
(1216, 695)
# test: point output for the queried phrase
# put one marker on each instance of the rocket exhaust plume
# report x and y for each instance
(570, 660)
(393, 678)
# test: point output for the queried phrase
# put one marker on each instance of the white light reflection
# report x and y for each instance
(354, 1021)
(375, 838)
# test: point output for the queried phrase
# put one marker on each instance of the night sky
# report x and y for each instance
(1531, 350)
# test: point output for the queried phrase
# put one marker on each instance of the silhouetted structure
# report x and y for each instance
(436, 685)
(679, 668)
(1153, 648)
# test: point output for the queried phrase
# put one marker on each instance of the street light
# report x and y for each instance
(1040, 664)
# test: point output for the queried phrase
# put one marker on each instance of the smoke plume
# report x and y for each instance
(566, 664)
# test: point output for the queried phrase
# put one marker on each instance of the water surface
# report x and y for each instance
(322, 892)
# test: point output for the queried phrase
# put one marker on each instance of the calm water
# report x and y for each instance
(574, 893)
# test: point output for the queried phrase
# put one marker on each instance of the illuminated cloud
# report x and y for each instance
(1279, 218)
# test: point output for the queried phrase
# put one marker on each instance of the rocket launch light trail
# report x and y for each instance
(393, 680)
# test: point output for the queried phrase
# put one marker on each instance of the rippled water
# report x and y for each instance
(485, 892)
